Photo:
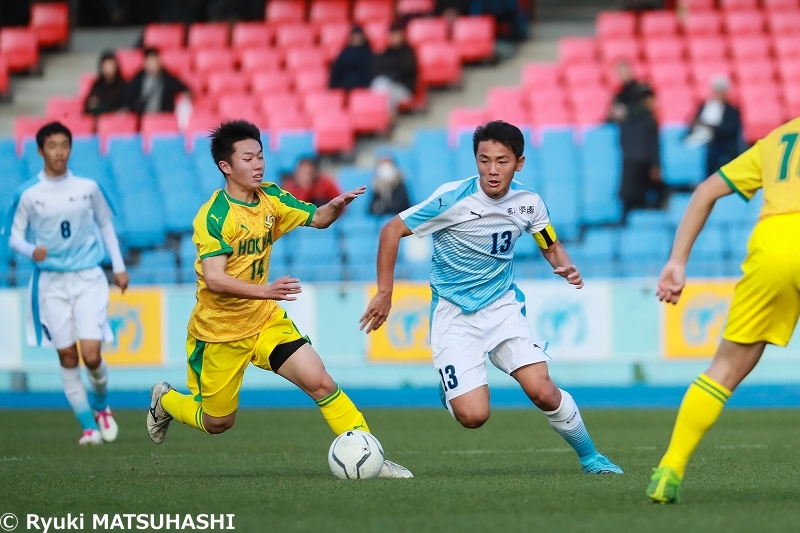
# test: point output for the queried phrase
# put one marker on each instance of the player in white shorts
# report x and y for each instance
(67, 220)
(476, 309)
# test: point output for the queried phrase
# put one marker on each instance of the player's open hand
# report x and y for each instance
(377, 312)
(283, 289)
(671, 282)
(40, 254)
(121, 280)
(344, 199)
(571, 274)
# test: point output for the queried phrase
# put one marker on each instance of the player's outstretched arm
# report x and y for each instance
(673, 275)
(220, 282)
(328, 213)
(562, 265)
(378, 308)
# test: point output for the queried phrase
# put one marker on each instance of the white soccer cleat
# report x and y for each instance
(395, 471)
(157, 418)
(108, 426)
(90, 437)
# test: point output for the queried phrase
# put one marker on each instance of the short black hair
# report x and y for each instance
(506, 134)
(151, 51)
(224, 136)
(52, 129)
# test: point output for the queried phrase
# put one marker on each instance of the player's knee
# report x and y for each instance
(68, 360)
(547, 398)
(472, 418)
(215, 426)
(321, 386)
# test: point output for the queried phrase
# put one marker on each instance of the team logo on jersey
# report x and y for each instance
(441, 205)
(479, 215)
(269, 221)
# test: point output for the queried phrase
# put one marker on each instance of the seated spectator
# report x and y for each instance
(353, 67)
(309, 185)
(718, 124)
(511, 22)
(153, 89)
(395, 69)
(389, 192)
(451, 9)
(108, 90)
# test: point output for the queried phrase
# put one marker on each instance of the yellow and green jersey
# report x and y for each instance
(772, 164)
(245, 232)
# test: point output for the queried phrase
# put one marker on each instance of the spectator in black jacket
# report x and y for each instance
(153, 89)
(353, 67)
(396, 68)
(108, 90)
(389, 192)
(720, 123)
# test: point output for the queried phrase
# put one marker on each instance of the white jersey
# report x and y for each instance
(63, 215)
(473, 239)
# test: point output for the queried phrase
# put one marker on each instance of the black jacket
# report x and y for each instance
(172, 87)
(726, 144)
(398, 64)
(353, 68)
(110, 96)
(399, 201)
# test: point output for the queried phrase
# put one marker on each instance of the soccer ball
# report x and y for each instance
(355, 454)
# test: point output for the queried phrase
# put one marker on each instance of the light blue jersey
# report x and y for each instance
(63, 215)
(473, 239)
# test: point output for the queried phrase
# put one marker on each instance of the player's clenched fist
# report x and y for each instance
(571, 274)
(671, 282)
(377, 312)
(40, 254)
(283, 289)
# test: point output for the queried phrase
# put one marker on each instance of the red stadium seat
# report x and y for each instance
(704, 49)
(499, 96)
(177, 61)
(615, 24)
(79, 125)
(583, 75)
(26, 127)
(668, 74)
(664, 49)
(333, 132)
(130, 61)
(213, 60)
(426, 30)
(311, 80)
(268, 81)
(749, 47)
(704, 72)
(275, 102)
(658, 24)
(508, 112)
(577, 50)
(110, 124)
(418, 101)
(205, 103)
(538, 75)
(164, 36)
(743, 22)
(305, 58)
(622, 48)
(4, 78)
(463, 119)
(791, 97)
(784, 22)
(786, 46)
(474, 37)
(761, 118)
(296, 34)
(415, 7)
(676, 104)
(208, 35)
(19, 48)
(252, 59)
(333, 37)
(590, 105)
(789, 71)
(325, 11)
(251, 35)
(227, 82)
(730, 5)
(287, 120)
(759, 71)
(285, 11)
(50, 23)
(85, 83)
(157, 124)
(377, 34)
(555, 115)
(698, 5)
(323, 101)
(59, 107)
(610, 74)
(539, 101)
(780, 5)
(439, 64)
(369, 111)
(236, 105)
(200, 123)
(702, 23)
(373, 11)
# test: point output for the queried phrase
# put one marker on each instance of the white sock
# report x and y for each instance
(75, 392)
(567, 422)
(98, 378)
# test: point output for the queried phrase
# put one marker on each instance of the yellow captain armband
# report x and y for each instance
(545, 238)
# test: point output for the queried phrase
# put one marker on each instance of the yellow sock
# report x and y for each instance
(341, 413)
(184, 409)
(700, 408)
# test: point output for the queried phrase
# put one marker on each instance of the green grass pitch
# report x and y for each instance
(514, 474)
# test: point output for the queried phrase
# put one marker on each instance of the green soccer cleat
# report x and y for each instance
(664, 485)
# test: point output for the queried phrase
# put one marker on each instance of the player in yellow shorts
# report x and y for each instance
(237, 320)
(766, 302)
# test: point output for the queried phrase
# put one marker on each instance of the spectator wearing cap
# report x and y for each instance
(395, 69)
(718, 122)
(153, 89)
(352, 69)
(308, 184)
(108, 90)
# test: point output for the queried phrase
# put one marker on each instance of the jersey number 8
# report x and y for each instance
(66, 231)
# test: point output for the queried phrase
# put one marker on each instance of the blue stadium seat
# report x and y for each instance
(31, 160)
(187, 252)
(648, 219)
(711, 244)
(350, 178)
(291, 147)
(677, 206)
(560, 180)
(465, 157)
(434, 161)
(209, 176)
(176, 182)
(644, 243)
(157, 267)
(680, 164)
(144, 218)
(728, 211)
(600, 168)
(529, 175)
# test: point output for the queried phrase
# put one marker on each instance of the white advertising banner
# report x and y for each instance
(303, 311)
(10, 330)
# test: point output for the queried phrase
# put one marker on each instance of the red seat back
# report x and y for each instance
(213, 59)
(305, 58)
(281, 11)
(164, 36)
(373, 10)
(664, 49)
(426, 30)
(702, 23)
(251, 35)
(324, 11)
(621, 48)
(742, 22)
(295, 34)
(50, 22)
(208, 35)
(615, 24)
(474, 37)
(577, 50)
(658, 23)
(130, 61)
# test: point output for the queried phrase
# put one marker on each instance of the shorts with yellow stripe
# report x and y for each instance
(216, 369)
(766, 302)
